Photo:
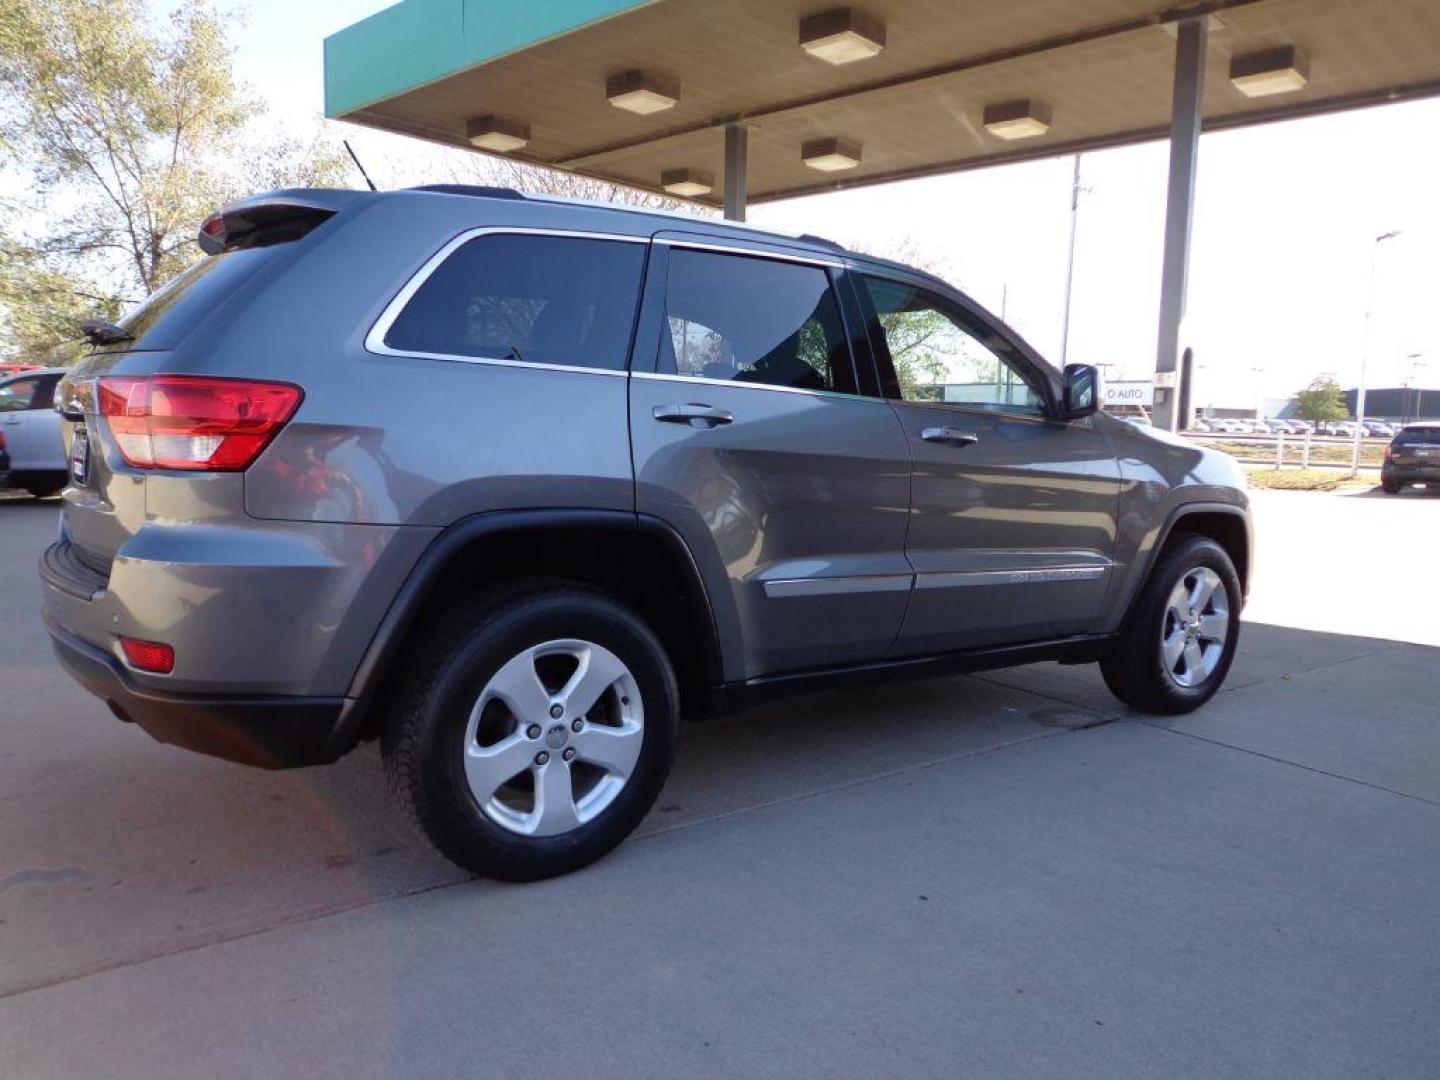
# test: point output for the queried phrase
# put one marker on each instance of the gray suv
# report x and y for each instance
(512, 484)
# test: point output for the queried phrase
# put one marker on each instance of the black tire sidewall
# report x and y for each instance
(456, 822)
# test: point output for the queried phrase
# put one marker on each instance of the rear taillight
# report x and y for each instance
(153, 656)
(193, 421)
(1389, 452)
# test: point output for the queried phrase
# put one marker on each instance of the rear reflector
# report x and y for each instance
(194, 422)
(149, 655)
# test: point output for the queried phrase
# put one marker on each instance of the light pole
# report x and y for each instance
(1365, 354)
(1070, 262)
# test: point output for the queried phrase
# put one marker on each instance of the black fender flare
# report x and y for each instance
(1167, 528)
(426, 574)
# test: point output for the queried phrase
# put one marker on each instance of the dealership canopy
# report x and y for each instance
(735, 101)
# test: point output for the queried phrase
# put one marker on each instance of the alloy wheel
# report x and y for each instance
(1196, 627)
(553, 737)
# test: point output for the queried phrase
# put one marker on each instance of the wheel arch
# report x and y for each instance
(1228, 526)
(637, 559)
(1225, 523)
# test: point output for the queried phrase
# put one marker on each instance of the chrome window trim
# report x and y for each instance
(656, 376)
(971, 409)
(816, 260)
(375, 338)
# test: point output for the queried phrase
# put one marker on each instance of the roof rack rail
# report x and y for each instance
(811, 238)
(476, 190)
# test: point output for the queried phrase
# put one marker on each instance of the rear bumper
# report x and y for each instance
(1412, 473)
(271, 732)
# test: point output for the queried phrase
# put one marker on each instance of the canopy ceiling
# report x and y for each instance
(1103, 68)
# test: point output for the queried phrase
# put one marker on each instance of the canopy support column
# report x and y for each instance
(1185, 118)
(737, 154)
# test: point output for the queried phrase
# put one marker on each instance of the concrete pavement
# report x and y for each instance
(959, 877)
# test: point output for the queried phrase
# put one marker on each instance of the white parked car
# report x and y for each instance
(31, 427)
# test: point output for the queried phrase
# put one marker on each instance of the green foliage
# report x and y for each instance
(1321, 401)
(125, 135)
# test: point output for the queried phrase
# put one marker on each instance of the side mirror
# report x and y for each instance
(1082, 391)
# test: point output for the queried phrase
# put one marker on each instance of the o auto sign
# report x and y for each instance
(1129, 393)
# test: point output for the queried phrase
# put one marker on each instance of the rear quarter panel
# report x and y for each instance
(403, 440)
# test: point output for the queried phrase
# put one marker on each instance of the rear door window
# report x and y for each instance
(746, 319)
(539, 299)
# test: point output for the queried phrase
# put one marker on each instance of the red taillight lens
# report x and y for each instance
(153, 656)
(192, 421)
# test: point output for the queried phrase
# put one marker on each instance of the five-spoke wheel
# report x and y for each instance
(1197, 625)
(553, 737)
(535, 730)
(1180, 636)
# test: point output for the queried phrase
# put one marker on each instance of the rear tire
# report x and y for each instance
(1390, 487)
(535, 732)
(1180, 638)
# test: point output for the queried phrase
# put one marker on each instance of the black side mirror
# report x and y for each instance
(1082, 391)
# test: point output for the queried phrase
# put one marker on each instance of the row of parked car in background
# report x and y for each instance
(1382, 429)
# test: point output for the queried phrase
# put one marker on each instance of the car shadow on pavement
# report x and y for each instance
(117, 848)
(1431, 492)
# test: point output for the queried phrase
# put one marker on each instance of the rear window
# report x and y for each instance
(172, 311)
(538, 299)
(1427, 436)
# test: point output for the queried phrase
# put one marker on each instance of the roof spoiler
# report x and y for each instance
(272, 217)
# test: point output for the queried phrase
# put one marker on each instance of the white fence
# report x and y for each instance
(1281, 450)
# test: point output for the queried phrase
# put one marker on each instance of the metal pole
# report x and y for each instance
(737, 153)
(1070, 262)
(1365, 353)
(1190, 38)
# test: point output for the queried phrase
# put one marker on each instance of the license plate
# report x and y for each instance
(80, 456)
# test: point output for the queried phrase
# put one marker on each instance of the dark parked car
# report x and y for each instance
(1413, 457)
(512, 483)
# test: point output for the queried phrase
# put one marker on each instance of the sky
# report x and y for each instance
(1285, 220)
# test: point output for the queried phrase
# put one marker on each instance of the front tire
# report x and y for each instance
(536, 731)
(1180, 639)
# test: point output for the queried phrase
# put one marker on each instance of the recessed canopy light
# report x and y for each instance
(642, 92)
(687, 183)
(842, 36)
(831, 155)
(1023, 119)
(493, 133)
(1274, 71)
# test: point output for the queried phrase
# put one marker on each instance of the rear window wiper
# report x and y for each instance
(100, 332)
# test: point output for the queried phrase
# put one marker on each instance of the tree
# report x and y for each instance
(125, 135)
(523, 176)
(1321, 401)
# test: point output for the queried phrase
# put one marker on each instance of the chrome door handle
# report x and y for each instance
(949, 436)
(693, 413)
